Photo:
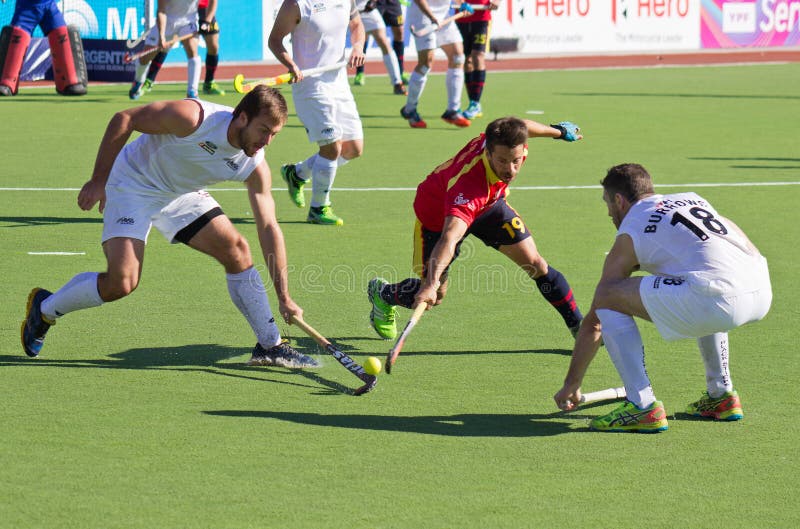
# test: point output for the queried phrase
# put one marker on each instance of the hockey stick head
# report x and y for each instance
(370, 382)
(238, 83)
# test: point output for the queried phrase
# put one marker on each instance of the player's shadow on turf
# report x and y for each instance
(562, 352)
(200, 358)
(23, 222)
(461, 425)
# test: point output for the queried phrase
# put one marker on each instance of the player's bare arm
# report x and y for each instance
(540, 130)
(270, 237)
(161, 23)
(454, 230)
(285, 21)
(587, 343)
(180, 118)
(211, 10)
(426, 10)
(357, 38)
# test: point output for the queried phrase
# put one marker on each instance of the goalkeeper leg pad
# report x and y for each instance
(69, 66)
(13, 44)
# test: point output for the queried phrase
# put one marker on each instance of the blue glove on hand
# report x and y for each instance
(569, 131)
(465, 7)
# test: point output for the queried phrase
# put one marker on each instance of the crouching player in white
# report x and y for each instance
(158, 180)
(707, 278)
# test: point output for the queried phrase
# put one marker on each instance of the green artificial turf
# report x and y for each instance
(142, 413)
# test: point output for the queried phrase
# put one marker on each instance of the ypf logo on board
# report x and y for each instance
(739, 17)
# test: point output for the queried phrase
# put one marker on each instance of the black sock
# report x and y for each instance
(401, 293)
(555, 289)
(155, 65)
(399, 49)
(212, 61)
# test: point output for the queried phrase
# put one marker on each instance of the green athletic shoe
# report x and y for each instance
(727, 407)
(147, 86)
(406, 77)
(473, 111)
(323, 215)
(359, 79)
(382, 317)
(213, 89)
(294, 183)
(630, 418)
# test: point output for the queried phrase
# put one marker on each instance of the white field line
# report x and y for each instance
(406, 189)
(56, 253)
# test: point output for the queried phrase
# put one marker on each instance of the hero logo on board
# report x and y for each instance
(630, 9)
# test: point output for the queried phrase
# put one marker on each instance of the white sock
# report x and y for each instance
(714, 350)
(323, 177)
(141, 71)
(625, 347)
(416, 84)
(250, 297)
(194, 74)
(455, 83)
(305, 168)
(79, 293)
(393, 67)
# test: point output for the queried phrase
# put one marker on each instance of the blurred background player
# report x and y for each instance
(209, 29)
(707, 278)
(392, 13)
(467, 195)
(324, 102)
(375, 26)
(423, 14)
(174, 19)
(475, 30)
(43, 13)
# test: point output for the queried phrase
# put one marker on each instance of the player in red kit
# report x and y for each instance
(466, 195)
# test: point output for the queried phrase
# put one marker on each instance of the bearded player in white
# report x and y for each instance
(158, 180)
(174, 19)
(422, 14)
(323, 102)
(707, 278)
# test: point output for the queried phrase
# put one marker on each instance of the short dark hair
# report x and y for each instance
(508, 132)
(263, 99)
(630, 180)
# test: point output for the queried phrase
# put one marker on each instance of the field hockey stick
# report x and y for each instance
(243, 87)
(132, 43)
(391, 357)
(603, 394)
(476, 7)
(130, 57)
(442, 23)
(370, 381)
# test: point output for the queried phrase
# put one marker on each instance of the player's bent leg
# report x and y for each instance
(219, 239)
(552, 285)
(621, 296)
(125, 257)
(383, 315)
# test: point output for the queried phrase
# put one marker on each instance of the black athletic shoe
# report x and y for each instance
(281, 355)
(35, 326)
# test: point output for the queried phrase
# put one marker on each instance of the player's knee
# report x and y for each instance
(457, 61)
(114, 286)
(352, 149)
(237, 258)
(423, 69)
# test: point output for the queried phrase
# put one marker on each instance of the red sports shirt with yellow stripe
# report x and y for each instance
(464, 186)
